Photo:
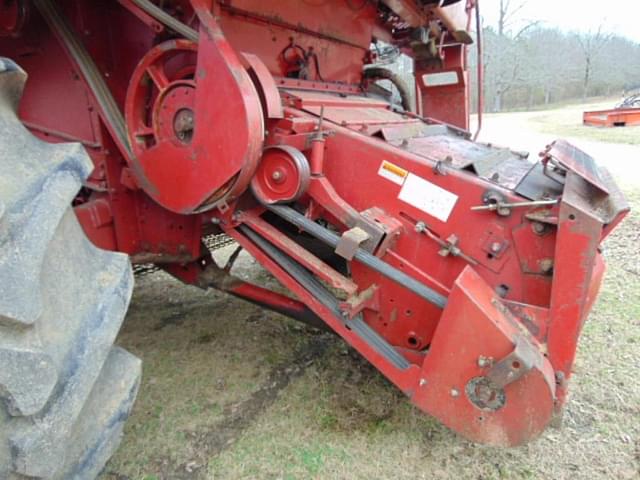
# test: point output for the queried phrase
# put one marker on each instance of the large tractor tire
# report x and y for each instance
(65, 390)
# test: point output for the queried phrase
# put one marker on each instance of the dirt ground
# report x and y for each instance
(231, 391)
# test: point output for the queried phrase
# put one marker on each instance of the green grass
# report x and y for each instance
(567, 122)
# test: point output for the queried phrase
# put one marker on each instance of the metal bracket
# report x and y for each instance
(512, 367)
(350, 242)
(448, 246)
(367, 299)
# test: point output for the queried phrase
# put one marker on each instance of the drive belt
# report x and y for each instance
(109, 110)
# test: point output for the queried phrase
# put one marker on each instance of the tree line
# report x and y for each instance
(534, 65)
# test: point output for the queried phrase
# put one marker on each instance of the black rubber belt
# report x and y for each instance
(324, 296)
(361, 255)
(109, 108)
(167, 20)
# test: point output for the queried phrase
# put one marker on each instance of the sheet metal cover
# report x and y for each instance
(574, 159)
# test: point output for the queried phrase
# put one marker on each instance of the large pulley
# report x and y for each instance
(195, 125)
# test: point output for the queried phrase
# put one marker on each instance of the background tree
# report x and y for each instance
(527, 64)
(592, 45)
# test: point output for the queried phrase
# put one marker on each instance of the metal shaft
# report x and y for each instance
(361, 255)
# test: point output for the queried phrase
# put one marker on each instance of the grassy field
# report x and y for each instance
(566, 121)
(231, 391)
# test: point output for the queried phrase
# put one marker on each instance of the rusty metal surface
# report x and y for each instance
(572, 158)
(499, 165)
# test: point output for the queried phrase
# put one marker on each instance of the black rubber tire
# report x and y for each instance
(65, 390)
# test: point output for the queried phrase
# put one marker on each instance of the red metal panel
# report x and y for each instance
(576, 278)
(448, 103)
(265, 28)
(571, 157)
(620, 117)
(473, 326)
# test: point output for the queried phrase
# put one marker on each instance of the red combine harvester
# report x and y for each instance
(462, 271)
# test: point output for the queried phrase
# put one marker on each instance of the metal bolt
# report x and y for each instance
(546, 265)
(484, 361)
(423, 382)
(277, 175)
(496, 247)
(455, 393)
(539, 228)
(420, 227)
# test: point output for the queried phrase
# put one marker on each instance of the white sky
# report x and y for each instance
(619, 16)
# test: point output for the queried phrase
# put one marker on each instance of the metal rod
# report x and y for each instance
(326, 298)
(480, 72)
(361, 255)
(496, 206)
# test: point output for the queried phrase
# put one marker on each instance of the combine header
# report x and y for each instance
(626, 114)
(463, 272)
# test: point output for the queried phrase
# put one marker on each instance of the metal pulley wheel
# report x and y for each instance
(282, 176)
(160, 106)
(192, 148)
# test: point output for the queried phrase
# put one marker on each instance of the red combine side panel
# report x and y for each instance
(462, 271)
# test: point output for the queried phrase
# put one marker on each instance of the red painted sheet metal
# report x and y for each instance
(348, 110)
(574, 159)
(476, 325)
(620, 117)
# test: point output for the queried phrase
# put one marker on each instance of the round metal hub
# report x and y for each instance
(484, 395)
(174, 117)
(282, 175)
(183, 124)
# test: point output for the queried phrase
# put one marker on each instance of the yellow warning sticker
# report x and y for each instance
(392, 172)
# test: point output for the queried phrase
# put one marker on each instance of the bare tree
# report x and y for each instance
(530, 65)
(508, 16)
(592, 46)
(509, 60)
(508, 10)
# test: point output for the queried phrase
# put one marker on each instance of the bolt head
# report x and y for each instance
(539, 228)
(496, 247)
(455, 392)
(484, 361)
(423, 382)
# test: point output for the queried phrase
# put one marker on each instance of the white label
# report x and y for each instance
(428, 197)
(392, 172)
(440, 79)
